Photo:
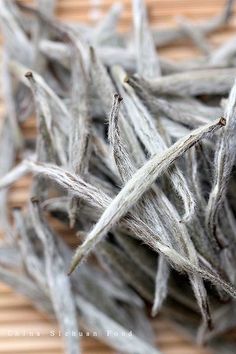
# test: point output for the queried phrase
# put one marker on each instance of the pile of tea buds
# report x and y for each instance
(136, 154)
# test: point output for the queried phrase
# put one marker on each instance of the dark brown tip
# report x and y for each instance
(222, 121)
(29, 75)
(34, 200)
(116, 95)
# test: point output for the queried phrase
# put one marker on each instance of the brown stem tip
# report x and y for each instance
(34, 200)
(116, 95)
(29, 75)
(222, 121)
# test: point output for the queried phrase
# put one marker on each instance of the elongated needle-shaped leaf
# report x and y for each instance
(58, 282)
(224, 161)
(138, 185)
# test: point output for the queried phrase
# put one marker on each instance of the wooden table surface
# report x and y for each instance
(19, 321)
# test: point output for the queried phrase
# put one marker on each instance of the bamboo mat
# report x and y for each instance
(20, 323)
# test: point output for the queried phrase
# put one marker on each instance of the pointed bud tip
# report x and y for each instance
(126, 79)
(72, 268)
